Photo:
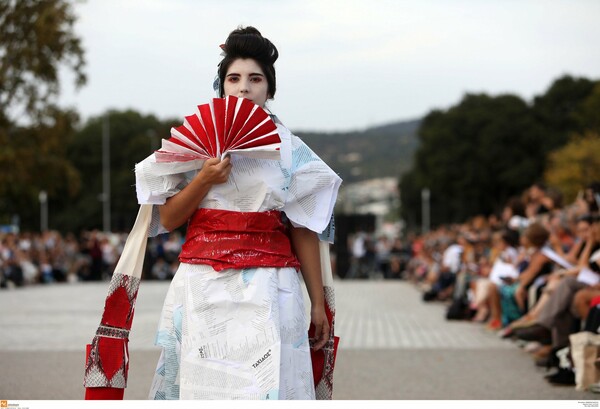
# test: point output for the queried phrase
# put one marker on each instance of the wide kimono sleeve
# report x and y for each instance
(155, 182)
(312, 190)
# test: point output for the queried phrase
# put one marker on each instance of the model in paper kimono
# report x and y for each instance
(233, 325)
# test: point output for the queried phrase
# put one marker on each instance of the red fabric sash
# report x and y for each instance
(227, 239)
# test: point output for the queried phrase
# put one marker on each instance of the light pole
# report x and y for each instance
(151, 134)
(425, 219)
(106, 174)
(43, 197)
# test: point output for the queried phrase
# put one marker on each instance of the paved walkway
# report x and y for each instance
(393, 346)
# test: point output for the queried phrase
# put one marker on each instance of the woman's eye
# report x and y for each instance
(233, 79)
(256, 79)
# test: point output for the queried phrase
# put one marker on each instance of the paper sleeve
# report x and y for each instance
(156, 182)
(312, 190)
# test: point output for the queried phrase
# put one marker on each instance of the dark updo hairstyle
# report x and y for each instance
(249, 43)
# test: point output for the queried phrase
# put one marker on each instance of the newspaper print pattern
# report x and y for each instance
(260, 352)
(190, 330)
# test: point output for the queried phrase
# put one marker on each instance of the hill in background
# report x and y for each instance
(376, 152)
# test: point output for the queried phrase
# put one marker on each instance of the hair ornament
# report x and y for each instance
(217, 84)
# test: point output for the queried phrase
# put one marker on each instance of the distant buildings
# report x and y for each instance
(379, 197)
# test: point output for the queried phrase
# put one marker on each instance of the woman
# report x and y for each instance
(556, 319)
(508, 300)
(538, 265)
(554, 279)
(237, 330)
(503, 267)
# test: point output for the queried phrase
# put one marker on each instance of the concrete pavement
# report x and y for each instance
(393, 346)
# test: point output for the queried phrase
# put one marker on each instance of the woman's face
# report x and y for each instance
(583, 229)
(245, 79)
(507, 213)
(498, 243)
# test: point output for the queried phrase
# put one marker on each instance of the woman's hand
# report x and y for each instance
(318, 318)
(215, 171)
(180, 207)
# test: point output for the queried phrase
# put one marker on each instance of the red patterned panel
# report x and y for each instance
(117, 309)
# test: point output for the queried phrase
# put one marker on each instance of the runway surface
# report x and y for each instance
(393, 346)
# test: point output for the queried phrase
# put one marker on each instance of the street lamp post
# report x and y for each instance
(106, 174)
(43, 198)
(151, 134)
(425, 212)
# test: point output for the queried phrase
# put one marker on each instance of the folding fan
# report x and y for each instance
(223, 126)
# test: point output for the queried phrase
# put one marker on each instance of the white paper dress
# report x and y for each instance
(240, 334)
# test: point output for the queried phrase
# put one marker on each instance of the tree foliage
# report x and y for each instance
(36, 40)
(477, 154)
(587, 115)
(34, 160)
(557, 109)
(575, 165)
(133, 136)
(484, 144)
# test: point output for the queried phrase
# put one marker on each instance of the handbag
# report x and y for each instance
(584, 353)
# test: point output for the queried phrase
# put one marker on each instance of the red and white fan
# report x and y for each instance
(223, 126)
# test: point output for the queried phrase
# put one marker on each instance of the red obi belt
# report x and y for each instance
(226, 239)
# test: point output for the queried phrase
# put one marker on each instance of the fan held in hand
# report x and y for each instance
(224, 126)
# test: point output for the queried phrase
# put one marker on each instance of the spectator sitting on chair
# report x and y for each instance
(450, 266)
(555, 322)
(572, 256)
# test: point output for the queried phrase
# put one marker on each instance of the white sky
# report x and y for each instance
(343, 64)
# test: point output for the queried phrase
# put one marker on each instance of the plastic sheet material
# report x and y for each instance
(107, 362)
(107, 357)
(226, 239)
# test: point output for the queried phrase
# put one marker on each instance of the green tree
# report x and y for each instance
(36, 40)
(587, 114)
(473, 157)
(557, 109)
(485, 149)
(36, 161)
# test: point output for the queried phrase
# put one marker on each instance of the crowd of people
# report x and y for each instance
(532, 274)
(373, 256)
(43, 258)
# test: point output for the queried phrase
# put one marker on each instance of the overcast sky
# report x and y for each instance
(343, 65)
